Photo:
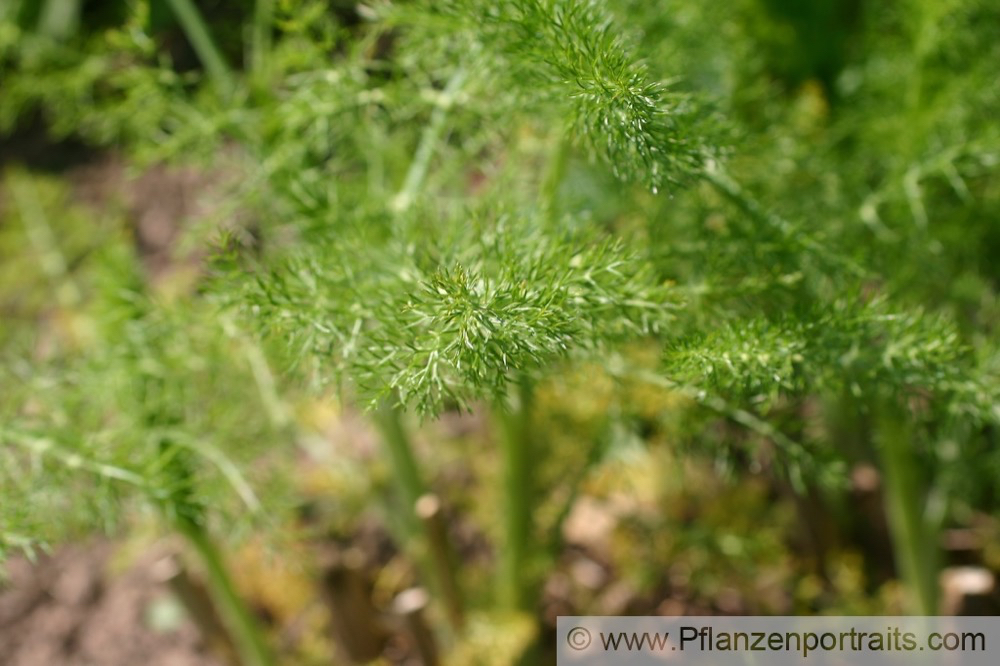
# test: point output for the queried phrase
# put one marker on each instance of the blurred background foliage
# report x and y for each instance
(746, 253)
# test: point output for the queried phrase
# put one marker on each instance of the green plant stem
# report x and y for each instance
(42, 238)
(518, 498)
(716, 176)
(424, 529)
(555, 171)
(60, 19)
(429, 139)
(260, 54)
(405, 469)
(245, 630)
(441, 557)
(913, 537)
(554, 542)
(196, 30)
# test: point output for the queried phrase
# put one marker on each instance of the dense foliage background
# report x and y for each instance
(674, 306)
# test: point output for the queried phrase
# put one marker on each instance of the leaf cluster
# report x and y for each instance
(456, 320)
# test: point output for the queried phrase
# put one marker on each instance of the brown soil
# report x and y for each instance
(71, 609)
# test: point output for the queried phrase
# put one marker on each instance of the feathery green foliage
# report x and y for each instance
(437, 204)
(451, 321)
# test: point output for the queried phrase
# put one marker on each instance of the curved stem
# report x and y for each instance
(245, 630)
(717, 177)
(196, 30)
(429, 139)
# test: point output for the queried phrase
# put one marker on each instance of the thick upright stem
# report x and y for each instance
(405, 470)
(518, 498)
(245, 631)
(913, 537)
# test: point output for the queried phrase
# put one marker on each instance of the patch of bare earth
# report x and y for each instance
(70, 609)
